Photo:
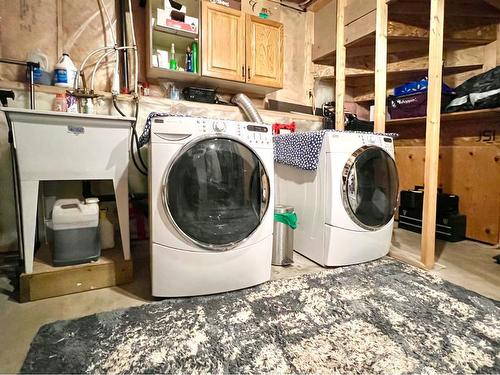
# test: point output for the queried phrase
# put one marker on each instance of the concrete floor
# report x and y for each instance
(466, 263)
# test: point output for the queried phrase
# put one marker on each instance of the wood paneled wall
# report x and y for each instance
(469, 166)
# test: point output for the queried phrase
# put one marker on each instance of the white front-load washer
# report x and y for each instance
(211, 207)
(345, 208)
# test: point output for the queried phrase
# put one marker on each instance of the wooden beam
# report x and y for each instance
(462, 9)
(316, 5)
(417, 28)
(360, 29)
(340, 67)
(324, 32)
(380, 66)
(357, 9)
(433, 123)
(60, 31)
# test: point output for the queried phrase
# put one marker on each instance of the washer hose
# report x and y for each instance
(246, 105)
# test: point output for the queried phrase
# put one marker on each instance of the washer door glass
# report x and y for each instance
(371, 187)
(216, 192)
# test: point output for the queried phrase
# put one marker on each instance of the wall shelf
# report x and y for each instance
(174, 75)
(476, 115)
(402, 72)
(471, 22)
(172, 31)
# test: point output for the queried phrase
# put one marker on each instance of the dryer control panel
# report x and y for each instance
(384, 142)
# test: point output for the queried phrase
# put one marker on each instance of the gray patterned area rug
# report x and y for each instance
(379, 317)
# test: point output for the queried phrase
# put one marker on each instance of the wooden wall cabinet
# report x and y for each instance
(223, 42)
(240, 47)
(264, 52)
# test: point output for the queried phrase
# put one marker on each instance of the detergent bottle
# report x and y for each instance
(65, 72)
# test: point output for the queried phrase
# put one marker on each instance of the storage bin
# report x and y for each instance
(413, 105)
(74, 232)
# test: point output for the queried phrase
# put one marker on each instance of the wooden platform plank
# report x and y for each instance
(48, 281)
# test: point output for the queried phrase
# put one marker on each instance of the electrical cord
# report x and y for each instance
(134, 139)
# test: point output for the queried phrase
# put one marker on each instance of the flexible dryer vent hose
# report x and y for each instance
(246, 105)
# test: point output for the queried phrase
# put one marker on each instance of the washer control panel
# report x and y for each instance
(219, 126)
(183, 128)
(252, 133)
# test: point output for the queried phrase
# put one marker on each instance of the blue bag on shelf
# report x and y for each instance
(418, 86)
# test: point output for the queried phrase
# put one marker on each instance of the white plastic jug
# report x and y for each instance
(65, 72)
(107, 231)
(40, 75)
(74, 214)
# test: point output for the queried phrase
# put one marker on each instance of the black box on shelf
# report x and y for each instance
(199, 94)
(413, 200)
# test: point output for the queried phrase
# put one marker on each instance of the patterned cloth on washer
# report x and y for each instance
(302, 150)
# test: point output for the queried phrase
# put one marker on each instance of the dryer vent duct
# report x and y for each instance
(246, 105)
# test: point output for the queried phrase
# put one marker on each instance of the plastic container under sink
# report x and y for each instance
(73, 232)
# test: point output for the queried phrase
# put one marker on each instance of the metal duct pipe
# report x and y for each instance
(246, 105)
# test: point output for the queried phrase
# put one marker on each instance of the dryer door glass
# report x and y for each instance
(370, 187)
(216, 192)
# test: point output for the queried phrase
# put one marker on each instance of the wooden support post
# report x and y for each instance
(340, 67)
(380, 66)
(432, 133)
(59, 18)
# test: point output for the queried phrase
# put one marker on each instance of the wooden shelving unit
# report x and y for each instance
(248, 63)
(383, 43)
(470, 22)
(405, 73)
(172, 31)
(447, 118)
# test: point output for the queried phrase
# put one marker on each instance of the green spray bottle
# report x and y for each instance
(173, 61)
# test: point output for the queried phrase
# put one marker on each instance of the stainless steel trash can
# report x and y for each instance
(283, 239)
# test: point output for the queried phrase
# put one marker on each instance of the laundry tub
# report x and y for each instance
(73, 232)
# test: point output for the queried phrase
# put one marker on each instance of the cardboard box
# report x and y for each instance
(164, 20)
(163, 61)
(234, 4)
(193, 22)
(169, 7)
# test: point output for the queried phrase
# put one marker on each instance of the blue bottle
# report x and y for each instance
(189, 60)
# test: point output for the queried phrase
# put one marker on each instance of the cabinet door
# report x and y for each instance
(264, 52)
(223, 42)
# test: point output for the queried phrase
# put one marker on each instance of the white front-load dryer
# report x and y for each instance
(345, 208)
(211, 207)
